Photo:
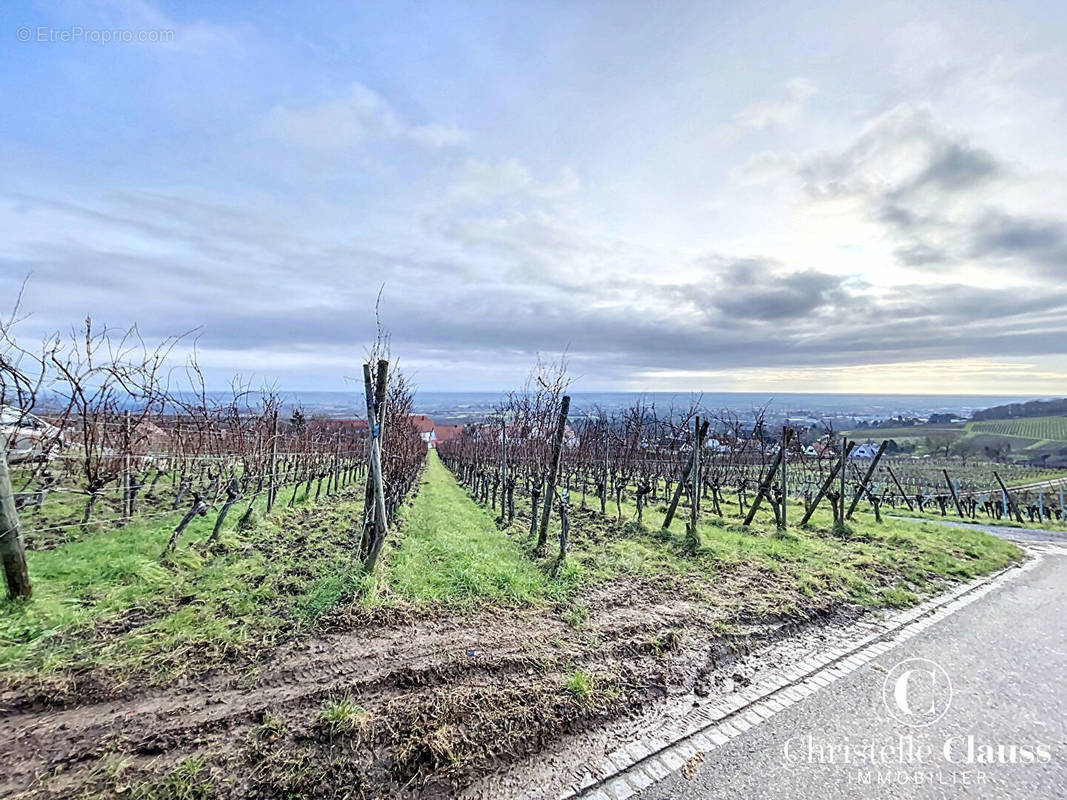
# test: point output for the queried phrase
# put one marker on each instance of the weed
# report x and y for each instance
(188, 781)
(580, 684)
(898, 598)
(576, 615)
(270, 727)
(343, 715)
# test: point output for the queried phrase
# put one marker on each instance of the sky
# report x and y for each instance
(683, 196)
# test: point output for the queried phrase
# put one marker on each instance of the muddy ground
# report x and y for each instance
(499, 704)
(440, 706)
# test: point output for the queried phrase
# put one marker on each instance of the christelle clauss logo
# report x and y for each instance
(917, 692)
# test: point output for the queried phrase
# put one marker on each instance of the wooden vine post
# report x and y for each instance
(12, 548)
(553, 472)
(375, 525)
(826, 484)
(272, 487)
(768, 481)
(867, 478)
(900, 488)
(1007, 496)
(952, 490)
(783, 522)
(694, 508)
(127, 504)
(685, 477)
(841, 476)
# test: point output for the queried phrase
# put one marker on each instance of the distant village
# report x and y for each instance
(434, 434)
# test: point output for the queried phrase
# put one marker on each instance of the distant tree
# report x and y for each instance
(941, 443)
(1034, 408)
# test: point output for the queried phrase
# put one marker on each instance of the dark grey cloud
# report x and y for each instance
(1002, 235)
(918, 254)
(909, 145)
(496, 327)
(957, 166)
(756, 291)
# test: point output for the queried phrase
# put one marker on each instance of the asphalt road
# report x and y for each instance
(1006, 657)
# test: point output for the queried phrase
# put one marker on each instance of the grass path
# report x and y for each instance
(453, 552)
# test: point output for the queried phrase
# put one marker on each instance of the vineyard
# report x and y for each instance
(1051, 428)
(215, 598)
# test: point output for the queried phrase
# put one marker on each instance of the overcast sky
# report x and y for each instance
(859, 197)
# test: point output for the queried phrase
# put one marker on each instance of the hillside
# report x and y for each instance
(1033, 408)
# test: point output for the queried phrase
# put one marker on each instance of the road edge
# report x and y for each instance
(637, 765)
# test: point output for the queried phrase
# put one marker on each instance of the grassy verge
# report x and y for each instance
(888, 563)
(106, 600)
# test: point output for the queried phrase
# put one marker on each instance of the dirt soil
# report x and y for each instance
(441, 706)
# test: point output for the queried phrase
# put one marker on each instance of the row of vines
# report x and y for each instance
(101, 429)
(692, 461)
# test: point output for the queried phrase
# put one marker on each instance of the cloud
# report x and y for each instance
(199, 37)
(918, 254)
(899, 154)
(353, 120)
(448, 312)
(999, 235)
(766, 167)
(929, 189)
(957, 165)
(777, 113)
(756, 291)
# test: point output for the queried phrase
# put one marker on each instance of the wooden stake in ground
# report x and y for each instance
(900, 488)
(376, 526)
(127, 505)
(768, 481)
(503, 464)
(952, 489)
(553, 472)
(685, 477)
(841, 475)
(867, 478)
(272, 487)
(826, 484)
(1011, 500)
(783, 522)
(12, 549)
(694, 506)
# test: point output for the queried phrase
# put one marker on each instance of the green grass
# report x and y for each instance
(341, 715)
(453, 553)
(187, 781)
(107, 600)
(906, 432)
(1004, 522)
(580, 684)
(1026, 437)
(797, 565)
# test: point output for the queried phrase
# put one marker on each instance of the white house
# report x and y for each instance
(867, 450)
